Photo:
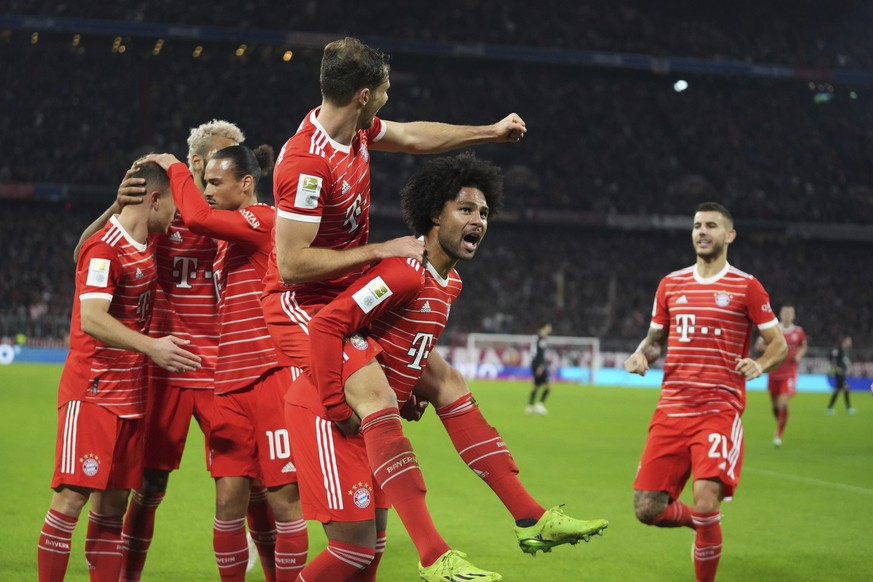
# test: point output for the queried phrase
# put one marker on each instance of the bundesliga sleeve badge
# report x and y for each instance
(98, 273)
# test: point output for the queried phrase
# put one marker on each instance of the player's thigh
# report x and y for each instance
(167, 422)
(665, 463)
(333, 471)
(288, 324)
(232, 441)
(717, 449)
(96, 449)
(272, 438)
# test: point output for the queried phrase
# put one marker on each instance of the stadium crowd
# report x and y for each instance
(804, 33)
(601, 141)
(588, 282)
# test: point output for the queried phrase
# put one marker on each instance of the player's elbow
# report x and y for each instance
(89, 323)
(289, 270)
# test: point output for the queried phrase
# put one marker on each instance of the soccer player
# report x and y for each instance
(539, 367)
(841, 360)
(404, 305)
(102, 394)
(704, 314)
(782, 382)
(186, 307)
(322, 187)
(248, 439)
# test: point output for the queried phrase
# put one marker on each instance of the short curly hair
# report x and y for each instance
(427, 191)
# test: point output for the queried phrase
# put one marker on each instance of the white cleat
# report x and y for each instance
(777, 442)
(540, 409)
(529, 409)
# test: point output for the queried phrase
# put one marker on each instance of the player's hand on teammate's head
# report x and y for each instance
(637, 363)
(406, 246)
(748, 368)
(511, 128)
(414, 408)
(131, 190)
(163, 160)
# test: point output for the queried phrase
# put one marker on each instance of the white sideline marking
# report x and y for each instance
(819, 482)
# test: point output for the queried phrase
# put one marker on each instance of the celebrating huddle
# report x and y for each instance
(296, 343)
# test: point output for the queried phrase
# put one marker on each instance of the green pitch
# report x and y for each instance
(803, 512)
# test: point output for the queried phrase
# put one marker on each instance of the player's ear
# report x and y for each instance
(196, 164)
(154, 198)
(731, 236)
(248, 183)
(363, 96)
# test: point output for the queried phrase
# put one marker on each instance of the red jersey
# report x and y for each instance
(185, 302)
(404, 307)
(709, 324)
(794, 337)
(114, 267)
(245, 349)
(319, 180)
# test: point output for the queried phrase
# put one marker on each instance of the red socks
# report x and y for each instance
(262, 528)
(677, 514)
(139, 527)
(231, 549)
(707, 544)
(396, 470)
(339, 561)
(103, 547)
(781, 420)
(484, 451)
(368, 574)
(54, 546)
(292, 544)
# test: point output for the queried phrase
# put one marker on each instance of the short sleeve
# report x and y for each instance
(660, 311)
(98, 272)
(300, 184)
(758, 305)
(377, 130)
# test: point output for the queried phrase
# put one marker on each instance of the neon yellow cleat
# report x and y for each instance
(554, 528)
(452, 567)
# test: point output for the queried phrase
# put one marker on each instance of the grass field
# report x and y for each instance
(803, 512)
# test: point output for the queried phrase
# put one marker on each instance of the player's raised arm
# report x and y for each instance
(130, 191)
(428, 137)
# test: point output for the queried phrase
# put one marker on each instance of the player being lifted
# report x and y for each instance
(185, 306)
(102, 394)
(248, 439)
(322, 188)
(782, 381)
(404, 304)
(704, 314)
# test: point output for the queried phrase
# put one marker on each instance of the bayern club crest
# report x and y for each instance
(358, 342)
(90, 464)
(362, 494)
(722, 299)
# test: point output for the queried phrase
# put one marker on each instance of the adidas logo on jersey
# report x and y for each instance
(346, 187)
(139, 274)
(681, 300)
(426, 307)
(176, 236)
(289, 468)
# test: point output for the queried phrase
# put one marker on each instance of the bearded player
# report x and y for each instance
(704, 314)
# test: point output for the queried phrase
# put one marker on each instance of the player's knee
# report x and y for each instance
(648, 506)
(154, 481)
